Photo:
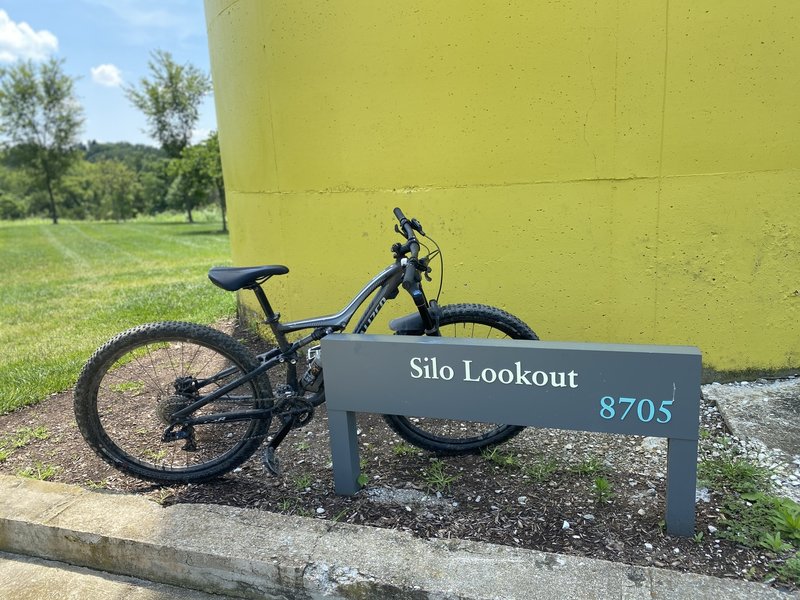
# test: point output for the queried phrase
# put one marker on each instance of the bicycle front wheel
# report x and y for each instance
(127, 392)
(463, 437)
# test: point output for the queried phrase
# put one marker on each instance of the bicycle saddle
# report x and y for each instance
(236, 278)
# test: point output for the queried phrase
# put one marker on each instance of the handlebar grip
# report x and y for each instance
(405, 224)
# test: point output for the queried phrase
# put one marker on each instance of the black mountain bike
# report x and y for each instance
(181, 402)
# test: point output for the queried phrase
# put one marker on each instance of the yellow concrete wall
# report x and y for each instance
(609, 170)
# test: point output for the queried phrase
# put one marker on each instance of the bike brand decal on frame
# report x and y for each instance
(372, 316)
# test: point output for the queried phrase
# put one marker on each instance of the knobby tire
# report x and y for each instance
(450, 437)
(129, 388)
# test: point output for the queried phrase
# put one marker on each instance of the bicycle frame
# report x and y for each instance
(387, 284)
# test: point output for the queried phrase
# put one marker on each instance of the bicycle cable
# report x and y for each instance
(437, 252)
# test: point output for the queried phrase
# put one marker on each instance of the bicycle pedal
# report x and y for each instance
(271, 461)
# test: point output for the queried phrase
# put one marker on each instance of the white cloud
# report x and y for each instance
(107, 75)
(19, 40)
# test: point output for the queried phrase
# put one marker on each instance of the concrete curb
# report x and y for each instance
(28, 578)
(253, 554)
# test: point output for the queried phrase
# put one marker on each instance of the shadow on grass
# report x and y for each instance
(192, 228)
(215, 232)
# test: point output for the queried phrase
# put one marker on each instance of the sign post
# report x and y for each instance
(611, 388)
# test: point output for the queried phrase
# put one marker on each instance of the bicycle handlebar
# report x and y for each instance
(411, 277)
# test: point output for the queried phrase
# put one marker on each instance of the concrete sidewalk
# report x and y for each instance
(244, 553)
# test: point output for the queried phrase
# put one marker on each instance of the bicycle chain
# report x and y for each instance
(290, 406)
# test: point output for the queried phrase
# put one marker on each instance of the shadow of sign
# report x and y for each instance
(611, 388)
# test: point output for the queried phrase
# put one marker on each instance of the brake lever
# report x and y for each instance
(416, 225)
(423, 263)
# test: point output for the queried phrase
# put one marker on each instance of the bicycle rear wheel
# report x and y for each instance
(131, 386)
(463, 437)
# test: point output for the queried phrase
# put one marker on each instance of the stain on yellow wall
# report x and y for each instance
(618, 171)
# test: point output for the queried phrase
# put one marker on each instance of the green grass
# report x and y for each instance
(39, 470)
(501, 458)
(68, 288)
(19, 439)
(437, 478)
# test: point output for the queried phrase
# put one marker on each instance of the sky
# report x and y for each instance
(106, 44)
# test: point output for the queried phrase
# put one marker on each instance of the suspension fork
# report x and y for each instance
(428, 311)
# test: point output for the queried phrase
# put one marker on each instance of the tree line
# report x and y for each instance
(45, 170)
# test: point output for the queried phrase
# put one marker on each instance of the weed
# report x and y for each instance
(303, 445)
(363, 477)
(26, 435)
(20, 439)
(737, 475)
(787, 519)
(602, 489)
(339, 516)
(155, 455)
(502, 459)
(773, 541)
(541, 470)
(790, 570)
(96, 485)
(163, 496)
(760, 520)
(745, 521)
(39, 471)
(403, 449)
(301, 482)
(436, 478)
(698, 537)
(127, 386)
(590, 466)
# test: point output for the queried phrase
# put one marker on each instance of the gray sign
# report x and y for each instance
(614, 388)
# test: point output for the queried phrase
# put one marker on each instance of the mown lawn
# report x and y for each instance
(68, 288)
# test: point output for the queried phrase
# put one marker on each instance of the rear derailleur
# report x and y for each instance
(186, 432)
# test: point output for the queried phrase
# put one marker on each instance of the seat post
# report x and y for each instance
(272, 316)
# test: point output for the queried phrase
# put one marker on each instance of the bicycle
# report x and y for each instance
(177, 402)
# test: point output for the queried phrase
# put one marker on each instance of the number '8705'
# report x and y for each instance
(644, 409)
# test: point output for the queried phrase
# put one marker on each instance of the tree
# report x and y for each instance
(147, 162)
(80, 192)
(14, 191)
(41, 118)
(198, 177)
(190, 184)
(170, 101)
(118, 187)
(213, 167)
